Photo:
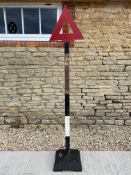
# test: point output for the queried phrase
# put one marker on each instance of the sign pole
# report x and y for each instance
(67, 159)
(67, 98)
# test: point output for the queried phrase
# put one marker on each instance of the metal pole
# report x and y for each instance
(67, 99)
(67, 159)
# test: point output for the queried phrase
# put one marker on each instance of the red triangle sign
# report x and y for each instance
(66, 17)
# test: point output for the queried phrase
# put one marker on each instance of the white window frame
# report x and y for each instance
(28, 37)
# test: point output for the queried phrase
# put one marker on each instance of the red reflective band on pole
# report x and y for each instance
(66, 17)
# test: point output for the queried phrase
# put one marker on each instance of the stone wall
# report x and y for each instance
(103, 68)
(32, 78)
(31, 85)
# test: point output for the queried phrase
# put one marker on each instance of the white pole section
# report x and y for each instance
(67, 126)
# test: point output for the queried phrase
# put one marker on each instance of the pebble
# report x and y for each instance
(92, 138)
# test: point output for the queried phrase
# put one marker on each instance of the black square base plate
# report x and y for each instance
(67, 162)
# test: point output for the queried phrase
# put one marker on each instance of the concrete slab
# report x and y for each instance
(41, 163)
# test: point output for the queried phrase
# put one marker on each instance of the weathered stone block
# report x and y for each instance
(124, 62)
(100, 113)
(22, 54)
(114, 106)
(103, 68)
(109, 122)
(123, 89)
(100, 106)
(16, 121)
(24, 91)
(90, 68)
(40, 54)
(113, 114)
(114, 97)
(8, 55)
(128, 122)
(5, 127)
(14, 102)
(89, 112)
(19, 61)
(119, 122)
(45, 121)
(2, 62)
(37, 91)
(33, 120)
(90, 122)
(128, 68)
(36, 98)
(1, 120)
(24, 73)
(99, 122)
(120, 74)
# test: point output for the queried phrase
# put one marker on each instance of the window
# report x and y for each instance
(28, 22)
(48, 20)
(31, 21)
(14, 15)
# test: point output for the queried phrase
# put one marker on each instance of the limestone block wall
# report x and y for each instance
(31, 85)
(32, 78)
(102, 66)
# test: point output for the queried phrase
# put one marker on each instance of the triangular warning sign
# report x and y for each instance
(66, 17)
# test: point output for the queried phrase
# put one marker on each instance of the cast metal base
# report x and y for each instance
(67, 162)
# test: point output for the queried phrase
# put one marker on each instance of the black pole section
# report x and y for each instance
(67, 92)
(67, 48)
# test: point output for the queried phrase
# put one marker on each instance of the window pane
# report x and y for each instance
(2, 25)
(48, 20)
(31, 20)
(13, 15)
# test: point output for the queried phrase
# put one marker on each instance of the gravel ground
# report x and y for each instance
(94, 138)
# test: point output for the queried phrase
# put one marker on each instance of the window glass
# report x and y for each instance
(28, 22)
(31, 20)
(13, 17)
(48, 20)
(2, 25)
